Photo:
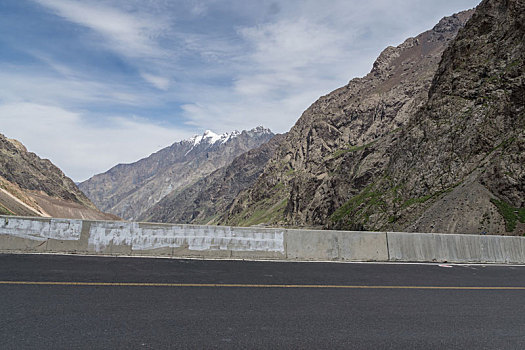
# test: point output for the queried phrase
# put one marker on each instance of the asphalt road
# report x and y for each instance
(70, 302)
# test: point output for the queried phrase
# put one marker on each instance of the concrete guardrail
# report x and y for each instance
(50, 235)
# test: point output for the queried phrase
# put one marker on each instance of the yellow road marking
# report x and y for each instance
(239, 285)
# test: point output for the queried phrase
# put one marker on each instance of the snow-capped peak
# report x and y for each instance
(211, 138)
(195, 139)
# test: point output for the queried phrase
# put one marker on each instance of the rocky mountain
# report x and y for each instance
(318, 167)
(462, 157)
(203, 201)
(422, 143)
(129, 190)
(31, 186)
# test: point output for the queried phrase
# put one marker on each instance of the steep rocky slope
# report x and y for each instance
(31, 186)
(320, 165)
(462, 157)
(202, 202)
(455, 164)
(128, 190)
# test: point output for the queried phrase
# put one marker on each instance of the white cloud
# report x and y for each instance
(291, 62)
(133, 35)
(157, 81)
(242, 112)
(78, 147)
(32, 84)
(292, 44)
(272, 69)
(130, 34)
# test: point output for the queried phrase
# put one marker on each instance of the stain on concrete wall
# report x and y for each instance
(199, 238)
(41, 229)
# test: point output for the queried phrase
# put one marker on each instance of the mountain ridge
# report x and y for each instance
(201, 202)
(128, 190)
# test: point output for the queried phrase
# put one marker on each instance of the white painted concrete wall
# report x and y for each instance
(19, 234)
(145, 236)
(40, 229)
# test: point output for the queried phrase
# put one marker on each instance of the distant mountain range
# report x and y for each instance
(204, 201)
(257, 187)
(130, 190)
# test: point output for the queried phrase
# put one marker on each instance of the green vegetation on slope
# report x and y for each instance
(342, 151)
(510, 214)
(267, 211)
(355, 213)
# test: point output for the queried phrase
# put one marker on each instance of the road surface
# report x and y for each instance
(71, 302)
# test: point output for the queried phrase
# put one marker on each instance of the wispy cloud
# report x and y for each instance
(158, 81)
(79, 147)
(131, 34)
(22, 84)
(293, 44)
(199, 9)
(305, 50)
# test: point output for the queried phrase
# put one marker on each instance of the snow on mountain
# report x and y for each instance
(211, 138)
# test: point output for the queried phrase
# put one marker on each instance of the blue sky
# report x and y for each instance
(92, 83)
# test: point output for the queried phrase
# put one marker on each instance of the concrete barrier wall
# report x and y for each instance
(336, 245)
(455, 248)
(45, 235)
(19, 234)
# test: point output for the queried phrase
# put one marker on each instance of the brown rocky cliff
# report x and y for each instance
(30, 172)
(33, 186)
(463, 155)
(455, 164)
(316, 169)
